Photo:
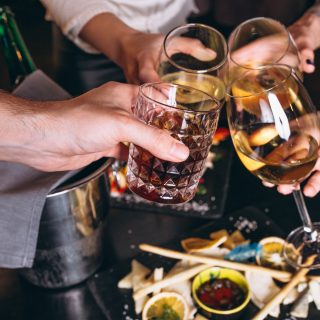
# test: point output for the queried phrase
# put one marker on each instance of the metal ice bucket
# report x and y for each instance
(72, 233)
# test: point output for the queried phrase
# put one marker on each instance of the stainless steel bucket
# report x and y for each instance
(72, 233)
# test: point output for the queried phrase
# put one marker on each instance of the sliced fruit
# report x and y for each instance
(241, 142)
(199, 244)
(219, 234)
(262, 136)
(166, 306)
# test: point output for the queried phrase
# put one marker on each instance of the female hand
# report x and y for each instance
(305, 32)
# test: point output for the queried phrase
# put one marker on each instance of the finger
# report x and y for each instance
(193, 47)
(155, 140)
(286, 189)
(313, 185)
(121, 95)
(112, 94)
(267, 184)
(307, 60)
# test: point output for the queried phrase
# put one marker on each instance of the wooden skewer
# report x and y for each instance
(278, 274)
(277, 299)
(181, 276)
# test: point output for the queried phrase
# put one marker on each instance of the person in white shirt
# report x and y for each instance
(111, 36)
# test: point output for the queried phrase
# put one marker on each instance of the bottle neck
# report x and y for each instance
(17, 56)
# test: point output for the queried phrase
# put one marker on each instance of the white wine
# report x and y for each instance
(276, 160)
(211, 85)
(255, 86)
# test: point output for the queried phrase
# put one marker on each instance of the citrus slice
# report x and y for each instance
(199, 244)
(241, 143)
(166, 305)
(262, 136)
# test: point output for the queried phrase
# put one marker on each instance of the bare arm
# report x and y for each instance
(57, 136)
(137, 53)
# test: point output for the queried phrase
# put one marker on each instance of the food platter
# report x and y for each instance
(118, 303)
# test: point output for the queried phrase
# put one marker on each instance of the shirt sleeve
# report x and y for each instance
(71, 16)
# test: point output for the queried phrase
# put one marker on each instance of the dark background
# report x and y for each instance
(36, 33)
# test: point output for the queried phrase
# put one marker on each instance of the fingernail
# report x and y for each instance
(308, 61)
(179, 151)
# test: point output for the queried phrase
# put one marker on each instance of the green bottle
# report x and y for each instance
(17, 56)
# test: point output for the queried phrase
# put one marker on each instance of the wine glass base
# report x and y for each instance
(302, 249)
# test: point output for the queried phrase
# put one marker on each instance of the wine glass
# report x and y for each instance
(260, 41)
(194, 55)
(276, 134)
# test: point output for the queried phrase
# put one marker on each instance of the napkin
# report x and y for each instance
(23, 190)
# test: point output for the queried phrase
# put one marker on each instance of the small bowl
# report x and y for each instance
(271, 254)
(221, 273)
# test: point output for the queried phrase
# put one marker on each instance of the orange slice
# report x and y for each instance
(169, 304)
(198, 244)
(262, 136)
(240, 140)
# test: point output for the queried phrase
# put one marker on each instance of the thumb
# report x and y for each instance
(156, 141)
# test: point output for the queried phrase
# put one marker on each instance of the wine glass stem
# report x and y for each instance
(303, 211)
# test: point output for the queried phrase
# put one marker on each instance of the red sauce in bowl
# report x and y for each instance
(221, 294)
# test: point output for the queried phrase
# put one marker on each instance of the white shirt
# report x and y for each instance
(143, 15)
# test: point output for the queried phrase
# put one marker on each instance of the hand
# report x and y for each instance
(305, 32)
(264, 50)
(137, 53)
(141, 53)
(57, 136)
(311, 188)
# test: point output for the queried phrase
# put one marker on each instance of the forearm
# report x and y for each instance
(107, 34)
(23, 126)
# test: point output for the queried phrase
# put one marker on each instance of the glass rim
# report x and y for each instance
(291, 72)
(286, 243)
(258, 18)
(187, 25)
(218, 104)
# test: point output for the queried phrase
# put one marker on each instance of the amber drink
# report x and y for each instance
(191, 117)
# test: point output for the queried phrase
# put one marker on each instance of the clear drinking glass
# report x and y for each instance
(195, 55)
(276, 133)
(191, 117)
(260, 41)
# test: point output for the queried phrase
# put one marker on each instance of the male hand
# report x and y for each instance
(65, 135)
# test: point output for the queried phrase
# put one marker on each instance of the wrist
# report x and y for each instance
(109, 39)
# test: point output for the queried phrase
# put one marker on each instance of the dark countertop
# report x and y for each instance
(126, 229)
